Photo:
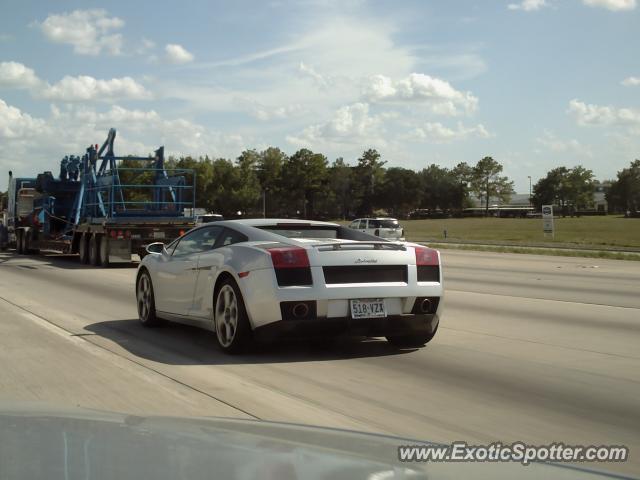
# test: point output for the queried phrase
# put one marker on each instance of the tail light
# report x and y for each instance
(428, 264)
(181, 233)
(377, 233)
(113, 234)
(426, 256)
(291, 265)
(289, 257)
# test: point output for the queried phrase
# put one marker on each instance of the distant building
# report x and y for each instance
(516, 200)
(599, 196)
(598, 204)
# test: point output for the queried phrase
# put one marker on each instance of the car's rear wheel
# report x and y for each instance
(146, 301)
(411, 341)
(231, 321)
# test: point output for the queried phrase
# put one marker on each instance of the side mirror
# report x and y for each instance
(156, 247)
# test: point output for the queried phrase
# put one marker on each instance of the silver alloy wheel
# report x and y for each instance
(144, 297)
(226, 315)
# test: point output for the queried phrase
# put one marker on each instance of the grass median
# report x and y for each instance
(610, 236)
(587, 232)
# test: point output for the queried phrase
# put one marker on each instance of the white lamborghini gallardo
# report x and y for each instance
(270, 278)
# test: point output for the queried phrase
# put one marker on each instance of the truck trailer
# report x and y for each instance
(103, 207)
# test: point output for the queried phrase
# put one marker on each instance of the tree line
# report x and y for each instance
(306, 185)
(572, 189)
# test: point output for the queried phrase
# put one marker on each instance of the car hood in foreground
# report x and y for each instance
(78, 444)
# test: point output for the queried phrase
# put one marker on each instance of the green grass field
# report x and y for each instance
(600, 231)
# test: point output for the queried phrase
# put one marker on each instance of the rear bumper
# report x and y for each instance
(409, 324)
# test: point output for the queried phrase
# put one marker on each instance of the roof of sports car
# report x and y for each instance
(259, 222)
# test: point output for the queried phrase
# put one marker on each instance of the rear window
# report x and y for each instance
(302, 231)
(383, 224)
(209, 218)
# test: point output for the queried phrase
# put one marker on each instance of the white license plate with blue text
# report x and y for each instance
(367, 308)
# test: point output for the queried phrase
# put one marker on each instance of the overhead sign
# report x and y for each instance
(547, 219)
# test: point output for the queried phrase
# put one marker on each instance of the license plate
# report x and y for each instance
(158, 234)
(368, 308)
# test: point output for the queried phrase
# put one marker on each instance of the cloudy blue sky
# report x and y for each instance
(533, 83)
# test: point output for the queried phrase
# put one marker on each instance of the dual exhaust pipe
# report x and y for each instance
(300, 310)
(425, 305)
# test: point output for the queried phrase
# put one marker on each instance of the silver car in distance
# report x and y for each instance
(272, 278)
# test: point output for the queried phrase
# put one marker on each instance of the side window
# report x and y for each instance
(363, 224)
(354, 224)
(197, 241)
(172, 246)
(229, 237)
(374, 223)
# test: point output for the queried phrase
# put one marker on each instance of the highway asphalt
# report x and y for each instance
(530, 348)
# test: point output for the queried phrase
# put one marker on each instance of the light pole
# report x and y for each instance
(264, 203)
(529, 177)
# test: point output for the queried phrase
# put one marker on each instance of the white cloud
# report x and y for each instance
(16, 75)
(613, 5)
(310, 72)
(350, 124)
(273, 113)
(553, 143)
(438, 133)
(177, 54)
(267, 112)
(83, 88)
(71, 89)
(88, 31)
(631, 82)
(589, 114)
(16, 124)
(69, 130)
(438, 94)
(144, 46)
(528, 5)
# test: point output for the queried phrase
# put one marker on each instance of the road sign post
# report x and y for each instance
(547, 220)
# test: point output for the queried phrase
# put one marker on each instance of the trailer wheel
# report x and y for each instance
(19, 245)
(83, 248)
(104, 251)
(26, 242)
(29, 240)
(94, 246)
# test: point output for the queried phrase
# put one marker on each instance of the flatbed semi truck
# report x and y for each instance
(103, 207)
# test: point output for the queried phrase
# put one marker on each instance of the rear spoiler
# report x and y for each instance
(325, 247)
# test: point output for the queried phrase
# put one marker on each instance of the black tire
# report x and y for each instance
(104, 251)
(411, 341)
(146, 301)
(94, 245)
(19, 244)
(26, 243)
(29, 241)
(83, 248)
(232, 338)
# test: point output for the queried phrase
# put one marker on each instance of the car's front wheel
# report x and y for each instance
(411, 341)
(146, 301)
(231, 321)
